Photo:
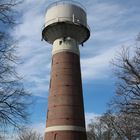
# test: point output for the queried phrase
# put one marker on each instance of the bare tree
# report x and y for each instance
(127, 69)
(7, 12)
(91, 134)
(123, 126)
(28, 134)
(126, 103)
(99, 130)
(114, 127)
(122, 121)
(13, 97)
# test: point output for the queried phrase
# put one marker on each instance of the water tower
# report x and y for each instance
(66, 28)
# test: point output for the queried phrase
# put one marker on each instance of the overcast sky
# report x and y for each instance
(113, 24)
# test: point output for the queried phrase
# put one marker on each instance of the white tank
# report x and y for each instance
(65, 19)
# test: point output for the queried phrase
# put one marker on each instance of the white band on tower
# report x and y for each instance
(65, 44)
(65, 128)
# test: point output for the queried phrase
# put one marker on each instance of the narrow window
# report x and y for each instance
(60, 42)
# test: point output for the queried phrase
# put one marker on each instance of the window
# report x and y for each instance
(60, 42)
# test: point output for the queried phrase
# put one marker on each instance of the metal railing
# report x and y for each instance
(61, 19)
(64, 2)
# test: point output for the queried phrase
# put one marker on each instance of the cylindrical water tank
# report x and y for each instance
(65, 19)
(67, 12)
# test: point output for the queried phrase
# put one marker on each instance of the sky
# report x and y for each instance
(113, 24)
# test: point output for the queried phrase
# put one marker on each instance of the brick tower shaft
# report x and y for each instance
(65, 118)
